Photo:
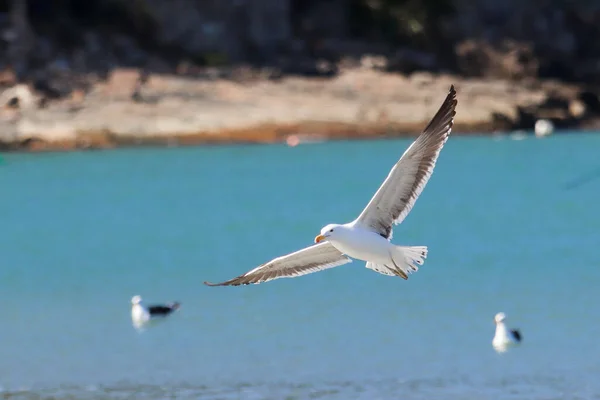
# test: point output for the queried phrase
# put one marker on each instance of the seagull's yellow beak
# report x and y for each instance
(319, 238)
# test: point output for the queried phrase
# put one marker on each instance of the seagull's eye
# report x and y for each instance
(331, 230)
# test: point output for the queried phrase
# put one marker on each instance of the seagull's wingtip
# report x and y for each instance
(226, 283)
(451, 99)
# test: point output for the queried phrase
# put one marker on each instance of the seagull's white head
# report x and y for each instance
(136, 300)
(328, 232)
(500, 317)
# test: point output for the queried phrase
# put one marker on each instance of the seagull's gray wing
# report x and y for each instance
(407, 179)
(308, 260)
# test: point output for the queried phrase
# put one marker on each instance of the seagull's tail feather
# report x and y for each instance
(409, 258)
(405, 260)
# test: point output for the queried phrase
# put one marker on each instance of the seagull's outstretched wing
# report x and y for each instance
(310, 259)
(407, 179)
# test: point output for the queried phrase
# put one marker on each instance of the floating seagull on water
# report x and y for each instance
(504, 337)
(368, 237)
(142, 316)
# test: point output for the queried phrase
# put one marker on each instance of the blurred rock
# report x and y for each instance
(18, 97)
(510, 60)
(359, 102)
(122, 82)
(292, 59)
(576, 108)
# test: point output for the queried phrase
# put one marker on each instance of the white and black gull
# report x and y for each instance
(142, 316)
(504, 338)
(368, 237)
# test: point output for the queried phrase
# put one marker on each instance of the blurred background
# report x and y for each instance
(280, 63)
(510, 215)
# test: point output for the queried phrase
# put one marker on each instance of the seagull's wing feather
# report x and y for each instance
(516, 334)
(160, 310)
(397, 195)
(310, 259)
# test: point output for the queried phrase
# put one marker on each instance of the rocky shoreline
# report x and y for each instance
(178, 72)
(214, 106)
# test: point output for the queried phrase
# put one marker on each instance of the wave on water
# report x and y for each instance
(530, 388)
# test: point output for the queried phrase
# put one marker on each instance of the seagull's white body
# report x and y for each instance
(368, 237)
(360, 243)
(142, 317)
(380, 254)
(504, 338)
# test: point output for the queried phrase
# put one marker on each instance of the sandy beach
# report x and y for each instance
(208, 108)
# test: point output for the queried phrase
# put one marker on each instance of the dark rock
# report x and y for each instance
(511, 60)
(591, 101)
(407, 60)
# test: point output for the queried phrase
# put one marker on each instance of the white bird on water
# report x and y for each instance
(143, 316)
(504, 338)
(368, 237)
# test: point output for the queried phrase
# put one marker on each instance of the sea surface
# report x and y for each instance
(511, 225)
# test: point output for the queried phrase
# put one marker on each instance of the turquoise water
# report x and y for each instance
(511, 226)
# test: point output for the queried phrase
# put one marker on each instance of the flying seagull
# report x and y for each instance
(142, 316)
(504, 337)
(368, 237)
